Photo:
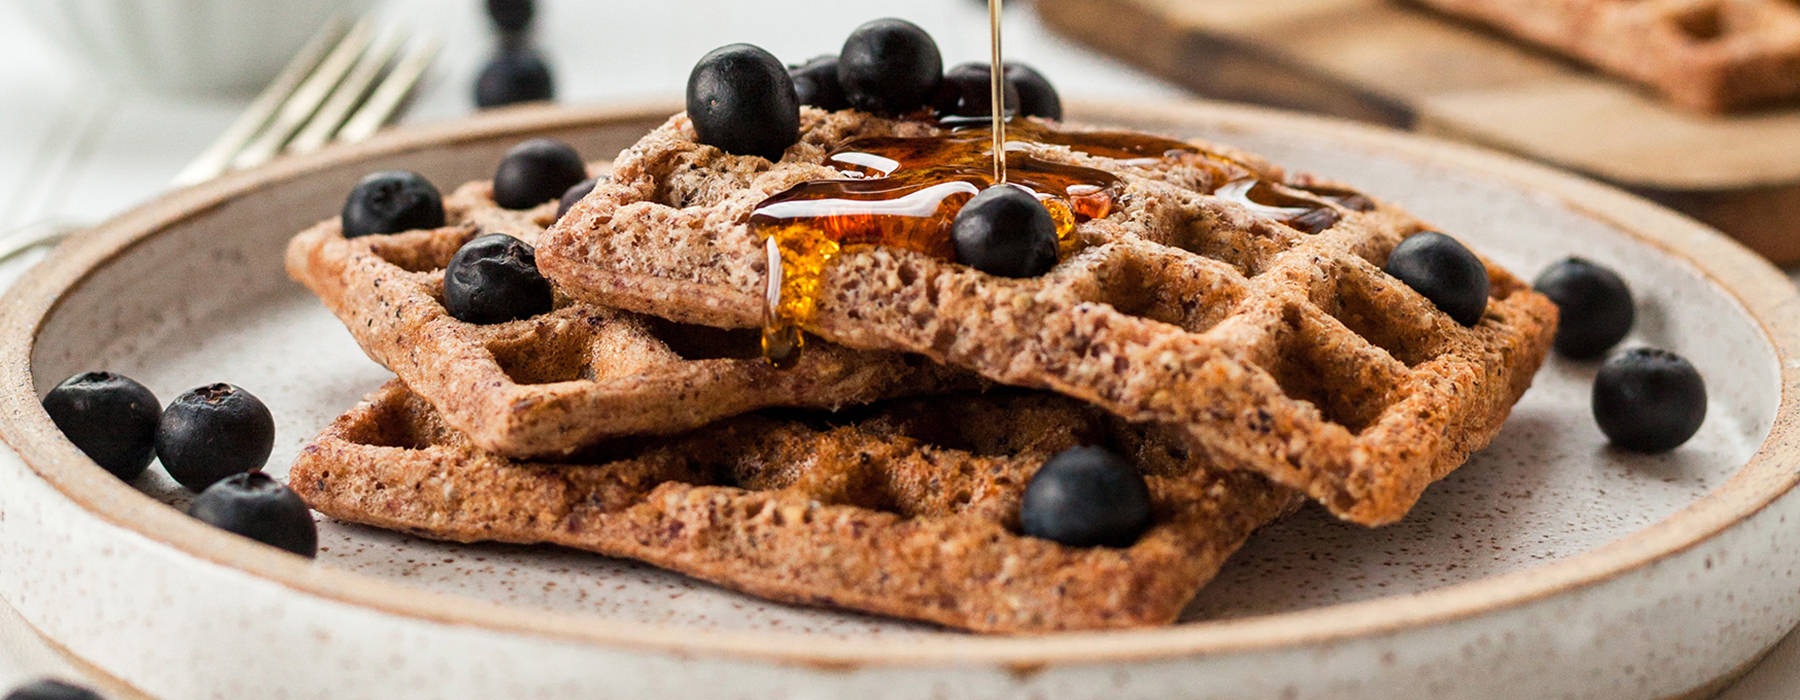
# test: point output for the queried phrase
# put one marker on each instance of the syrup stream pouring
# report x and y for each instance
(997, 91)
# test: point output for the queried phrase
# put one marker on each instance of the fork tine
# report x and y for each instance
(330, 117)
(217, 157)
(391, 92)
(307, 98)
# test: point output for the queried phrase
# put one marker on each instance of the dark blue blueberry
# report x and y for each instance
(574, 194)
(511, 15)
(1005, 231)
(390, 202)
(213, 432)
(890, 66)
(49, 689)
(515, 75)
(493, 279)
(1596, 307)
(1649, 400)
(537, 171)
(741, 99)
(816, 83)
(1086, 496)
(1037, 97)
(1442, 270)
(968, 92)
(110, 417)
(259, 507)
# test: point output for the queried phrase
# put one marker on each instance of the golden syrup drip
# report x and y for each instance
(997, 91)
(906, 192)
(1306, 208)
(1343, 197)
(902, 193)
(1129, 147)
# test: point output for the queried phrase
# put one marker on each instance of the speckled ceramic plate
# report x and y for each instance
(1548, 566)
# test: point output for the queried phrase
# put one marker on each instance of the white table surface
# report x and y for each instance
(73, 149)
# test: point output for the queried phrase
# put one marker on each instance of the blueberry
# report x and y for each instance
(1442, 270)
(259, 507)
(110, 417)
(816, 83)
(537, 171)
(512, 76)
(493, 279)
(1037, 98)
(390, 202)
(1005, 231)
(574, 194)
(890, 66)
(1596, 307)
(1086, 496)
(1649, 400)
(968, 92)
(511, 15)
(213, 432)
(742, 100)
(49, 689)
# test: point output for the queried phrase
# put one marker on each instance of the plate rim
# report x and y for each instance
(1754, 283)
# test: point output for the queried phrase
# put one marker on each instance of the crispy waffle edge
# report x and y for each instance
(859, 515)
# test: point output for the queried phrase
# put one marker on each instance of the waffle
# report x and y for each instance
(1272, 349)
(554, 383)
(1710, 55)
(904, 509)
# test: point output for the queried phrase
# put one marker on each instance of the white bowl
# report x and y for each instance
(217, 46)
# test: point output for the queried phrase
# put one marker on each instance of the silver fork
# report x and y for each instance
(343, 85)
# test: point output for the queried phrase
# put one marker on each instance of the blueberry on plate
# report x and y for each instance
(1649, 400)
(257, 506)
(890, 66)
(110, 417)
(1442, 270)
(537, 171)
(1037, 98)
(392, 201)
(967, 91)
(742, 100)
(1005, 231)
(493, 279)
(51, 689)
(212, 432)
(1596, 307)
(511, 15)
(816, 83)
(1086, 496)
(574, 194)
(515, 75)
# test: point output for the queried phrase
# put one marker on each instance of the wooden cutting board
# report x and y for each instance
(1403, 66)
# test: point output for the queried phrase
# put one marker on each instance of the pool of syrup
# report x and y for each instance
(906, 192)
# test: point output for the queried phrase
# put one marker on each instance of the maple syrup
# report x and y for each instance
(901, 193)
(1298, 209)
(906, 192)
(997, 91)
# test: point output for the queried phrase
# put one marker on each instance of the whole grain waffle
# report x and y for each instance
(562, 380)
(905, 509)
(1273, 349)
(1712, 55)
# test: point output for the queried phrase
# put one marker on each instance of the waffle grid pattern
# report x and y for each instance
(554, 383)
(1710, 55)
(905, 509)
(1274, 350)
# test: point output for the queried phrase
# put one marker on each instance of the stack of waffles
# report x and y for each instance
(1245, 356)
